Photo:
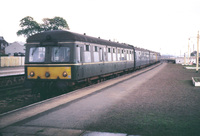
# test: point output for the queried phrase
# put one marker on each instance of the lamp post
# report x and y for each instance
(197, 64)
(184, 58)
(188, 50)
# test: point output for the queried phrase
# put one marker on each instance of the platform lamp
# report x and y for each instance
(197, 64)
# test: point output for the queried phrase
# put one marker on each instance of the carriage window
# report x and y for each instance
(101, 54)
(60, 54)
(127, 55)
(130, 56)
(87, 48)
(96, 54)
(108, 50)
(109, 55)
(119, 51)
(104, 54)
(87, 53)
(78, 54)
(118, 55)
(122, 57)
(114, 55)
(37, 54)
(113, 50)
(95, 48)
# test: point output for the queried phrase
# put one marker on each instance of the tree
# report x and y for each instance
(30, 27)
(57, 23)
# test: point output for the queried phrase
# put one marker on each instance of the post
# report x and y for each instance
(184, 59)
(188, 51)
(197, 63)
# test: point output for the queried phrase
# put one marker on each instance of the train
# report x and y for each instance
(61, 59)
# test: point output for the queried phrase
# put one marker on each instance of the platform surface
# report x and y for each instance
(9, 71)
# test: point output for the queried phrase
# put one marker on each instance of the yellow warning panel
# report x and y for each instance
(49, 72)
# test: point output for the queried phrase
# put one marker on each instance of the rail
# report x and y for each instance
(11, 82)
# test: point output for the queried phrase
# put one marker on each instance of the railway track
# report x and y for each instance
(11, 82)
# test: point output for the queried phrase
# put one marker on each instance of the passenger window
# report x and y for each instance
(113, 50)
(114, 54)
(127, 55)
(104, 53)
(87, 48)
(78, 54)
(60, 54)
(96, 54)
(118, 55)
(87, 54)
(109, 50)
(37, 54)
(131, 55)
(101, 54)
(109, 54)
(122, 55)
(95, 48)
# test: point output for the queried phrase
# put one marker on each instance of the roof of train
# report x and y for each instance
(63, 36)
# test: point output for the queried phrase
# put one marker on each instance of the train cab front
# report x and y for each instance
(47, 65)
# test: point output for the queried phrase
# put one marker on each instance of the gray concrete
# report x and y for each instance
(9, 71)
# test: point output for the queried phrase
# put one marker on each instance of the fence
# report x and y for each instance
(11, 61)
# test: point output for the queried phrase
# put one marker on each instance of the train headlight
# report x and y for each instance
(32, 74)
(64, 73)
(47, 74)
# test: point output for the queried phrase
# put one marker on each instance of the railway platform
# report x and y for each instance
(9, 71)
(152, 101)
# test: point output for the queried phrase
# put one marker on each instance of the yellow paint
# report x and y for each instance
(55, 72)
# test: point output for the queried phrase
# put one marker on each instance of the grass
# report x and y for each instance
(190, 66)
(196, 79)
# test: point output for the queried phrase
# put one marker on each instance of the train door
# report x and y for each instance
(81, 60)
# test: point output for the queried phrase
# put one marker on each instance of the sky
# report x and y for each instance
(158, 25)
